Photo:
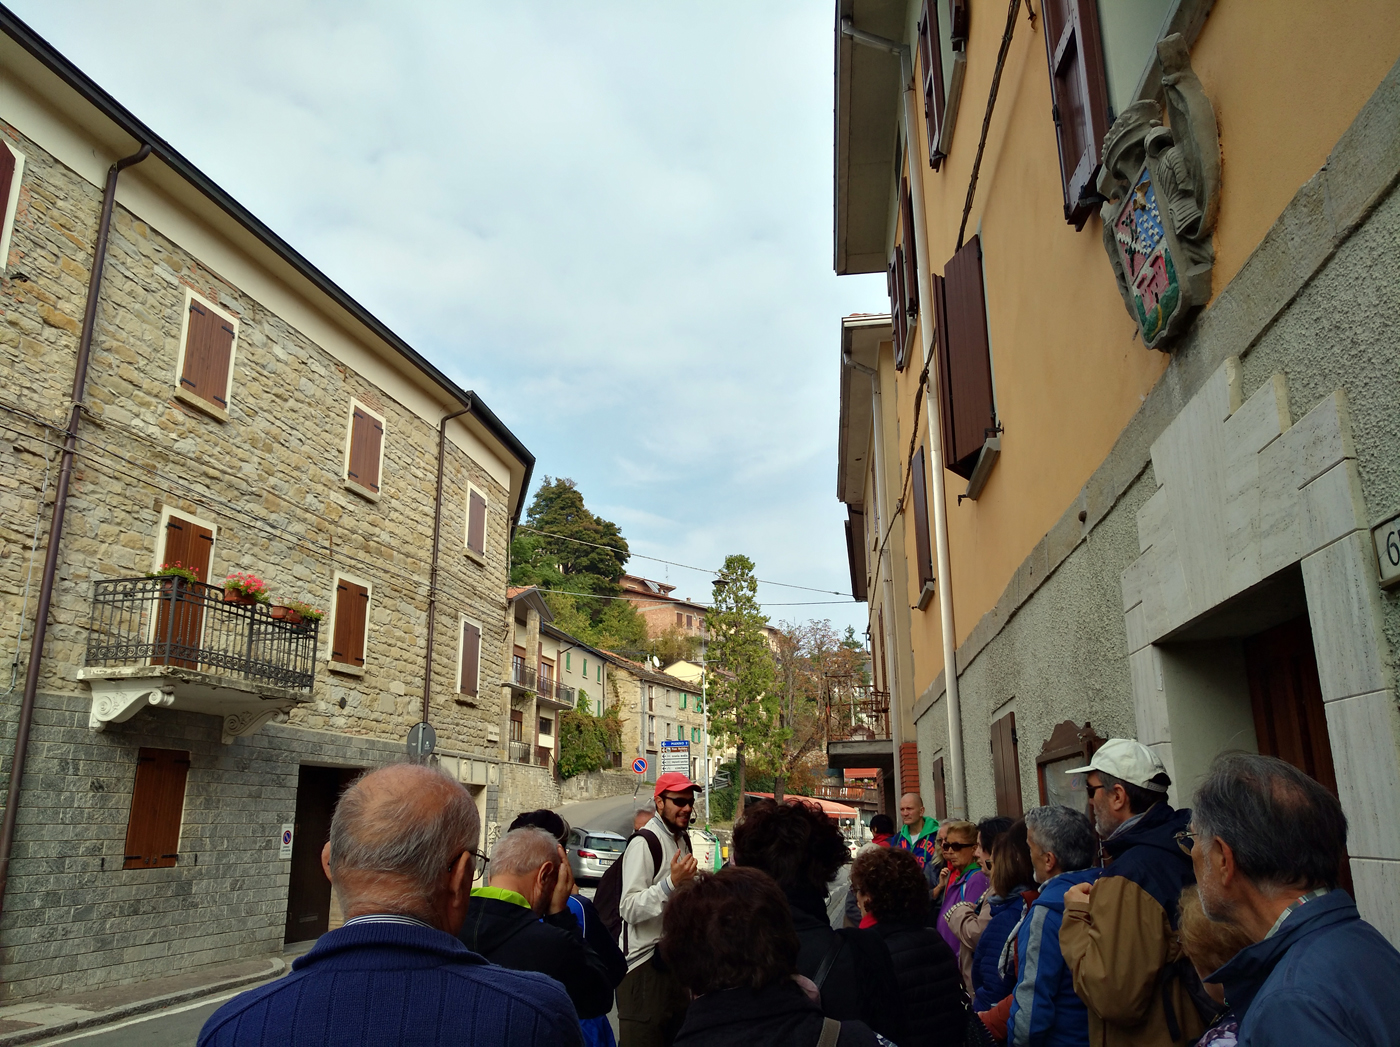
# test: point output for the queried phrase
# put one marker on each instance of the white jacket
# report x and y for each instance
(645, 891)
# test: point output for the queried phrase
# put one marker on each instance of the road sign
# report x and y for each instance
(640, 765)
(675, 756)
(288, 830)
(422, 739)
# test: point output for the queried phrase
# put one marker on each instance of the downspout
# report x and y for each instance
(437, 542)
(60, 508)
(957, 800)
(887, 582)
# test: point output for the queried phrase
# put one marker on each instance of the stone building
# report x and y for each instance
(656, 707)
(240, 413)
(1121, 456)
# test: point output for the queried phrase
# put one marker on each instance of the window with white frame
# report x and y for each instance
(11, 174)
(476, 520)
(208, 341)
(364, 450)
(349, 623)
(469, 658)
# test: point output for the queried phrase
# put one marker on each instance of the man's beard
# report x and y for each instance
(1103, 826)
(1216, 908)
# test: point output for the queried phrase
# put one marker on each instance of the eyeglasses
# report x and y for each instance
(949, 845)
(482, 862)
(1186, 840)
(1091, 789)
(685, 801)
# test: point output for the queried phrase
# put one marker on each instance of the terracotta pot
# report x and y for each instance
(236, 596)
(285, 614)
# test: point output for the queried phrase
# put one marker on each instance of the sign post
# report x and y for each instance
(422, 740)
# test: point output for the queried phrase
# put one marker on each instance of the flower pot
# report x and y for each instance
(238, 596)
(285, 614)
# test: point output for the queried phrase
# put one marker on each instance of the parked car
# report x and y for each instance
(592, 852)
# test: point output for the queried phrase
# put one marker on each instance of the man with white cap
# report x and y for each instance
(1119, 935)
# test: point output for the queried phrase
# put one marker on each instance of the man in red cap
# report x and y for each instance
(651, 1003)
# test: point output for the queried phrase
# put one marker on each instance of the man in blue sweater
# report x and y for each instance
(400, 859)
(1267, 842)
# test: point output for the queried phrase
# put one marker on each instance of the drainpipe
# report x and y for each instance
(887, 585)
(957, 799)
(60, 508)
(437, 541)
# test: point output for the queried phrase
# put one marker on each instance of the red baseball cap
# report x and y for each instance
(675, 782)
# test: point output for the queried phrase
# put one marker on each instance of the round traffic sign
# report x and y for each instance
(422, 739)
(286, 837)
(640, 765)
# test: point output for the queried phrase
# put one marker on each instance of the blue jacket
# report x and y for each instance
(1326, 977)
(388, 983)
(988, 986)
(1045, 1011)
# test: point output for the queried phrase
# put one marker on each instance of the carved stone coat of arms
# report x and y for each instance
(1162, 187)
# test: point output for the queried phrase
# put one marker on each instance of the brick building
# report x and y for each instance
(240, 413)
(661, 610)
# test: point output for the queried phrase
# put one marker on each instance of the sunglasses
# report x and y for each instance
(949, 845)
(682, 801)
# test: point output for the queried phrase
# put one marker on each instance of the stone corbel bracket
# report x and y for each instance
(116, 701)
(242, 724)
(1182, 163)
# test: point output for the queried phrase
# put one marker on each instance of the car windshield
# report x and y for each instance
(604, 843)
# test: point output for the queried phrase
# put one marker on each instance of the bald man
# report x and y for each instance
(918, 833)
(401, 861)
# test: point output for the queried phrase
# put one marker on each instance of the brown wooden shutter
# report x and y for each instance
(476, 523)
(180, 623)
(1006, 767)
(208, 352)
(157, 806)
(1079, 100)
(940, 791)
(965, 363)
(7, 177)
(884, 668)
(931, 67)
(351, 611)
(471, 658)
(911, 256)
(894, 282)
(921, 536)
(366, 439)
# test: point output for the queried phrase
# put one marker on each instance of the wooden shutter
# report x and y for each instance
(157, 806)
(1006, 767)
(1079, 100)
(894, 283)
(351, 611)
(471, 658)
(208, 352)
(476, 523)
(911, 256)
(921, 536)
(366, 439)
(884, 668)
(964, 359)
(940, 791)
(931, 67)
(180, 623)
(7, 177)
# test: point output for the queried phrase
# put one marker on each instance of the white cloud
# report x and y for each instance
(613, 221)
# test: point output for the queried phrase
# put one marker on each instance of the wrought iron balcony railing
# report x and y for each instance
(555, 691)
(861, 716)
(519, 752)
(522, 675)
(170, 621)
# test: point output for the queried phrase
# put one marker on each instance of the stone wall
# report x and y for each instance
(595, 785)
(525, 787)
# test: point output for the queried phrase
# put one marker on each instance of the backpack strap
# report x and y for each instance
(831, 1031)
(654, 846)
(838, 942)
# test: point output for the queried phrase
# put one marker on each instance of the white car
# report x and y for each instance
(592, 853)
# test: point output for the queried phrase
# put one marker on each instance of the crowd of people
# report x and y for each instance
(1132, 925)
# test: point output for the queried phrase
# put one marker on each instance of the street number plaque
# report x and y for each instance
(1387, 539)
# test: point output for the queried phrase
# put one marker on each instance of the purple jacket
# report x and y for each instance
(969, 888)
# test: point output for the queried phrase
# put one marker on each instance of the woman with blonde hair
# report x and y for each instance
(1209, 946)
(962, 879)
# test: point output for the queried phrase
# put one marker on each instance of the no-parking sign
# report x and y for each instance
(639, 765)
(286, 849)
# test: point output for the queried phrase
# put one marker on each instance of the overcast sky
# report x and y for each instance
(610, 220)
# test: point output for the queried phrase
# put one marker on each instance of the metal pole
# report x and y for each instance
(60, 507)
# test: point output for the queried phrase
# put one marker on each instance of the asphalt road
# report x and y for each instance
(176, 1026)
(610, 814)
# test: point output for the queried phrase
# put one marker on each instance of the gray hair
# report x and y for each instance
(1065, 833)
(402, 831)
(1284, 828)
(521, 851)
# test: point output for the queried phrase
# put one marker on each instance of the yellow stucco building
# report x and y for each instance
(1176, 543)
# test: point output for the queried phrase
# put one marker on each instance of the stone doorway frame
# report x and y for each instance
(1243, 494)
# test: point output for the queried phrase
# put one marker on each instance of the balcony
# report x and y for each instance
(555, 693)
(519, 752)
(170, 643)
(858, 730)
(522, 676)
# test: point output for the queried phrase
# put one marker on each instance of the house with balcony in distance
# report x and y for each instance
(656, 707)
(540, 685)
(661, 610)
(1119, 461)
(240, 415)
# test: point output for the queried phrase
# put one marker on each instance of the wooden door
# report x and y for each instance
(1006, 767)
(1286, 695)
(180, 615)
(308, 890)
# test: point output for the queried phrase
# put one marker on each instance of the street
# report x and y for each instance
(175, 1026)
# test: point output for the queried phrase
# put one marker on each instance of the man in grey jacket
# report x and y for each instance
(651, 1003)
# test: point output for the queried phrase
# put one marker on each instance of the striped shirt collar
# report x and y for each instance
(1298, 904)
(388, 917)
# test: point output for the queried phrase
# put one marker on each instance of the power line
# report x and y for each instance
(666, 602)
(673, 563)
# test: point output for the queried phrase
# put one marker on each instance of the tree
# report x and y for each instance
(743, 705)
(569, 550)
(672, 645)
(587, 742)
